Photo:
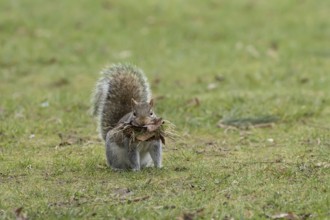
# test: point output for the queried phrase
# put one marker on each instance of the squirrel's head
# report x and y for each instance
(142, 113)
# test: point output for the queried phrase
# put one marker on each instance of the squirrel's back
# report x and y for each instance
(114, 92)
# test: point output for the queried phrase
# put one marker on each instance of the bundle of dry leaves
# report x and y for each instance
(158, 129)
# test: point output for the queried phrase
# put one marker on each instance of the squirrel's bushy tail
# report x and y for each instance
(114, 92)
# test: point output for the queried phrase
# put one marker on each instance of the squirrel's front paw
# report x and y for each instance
(136, 169)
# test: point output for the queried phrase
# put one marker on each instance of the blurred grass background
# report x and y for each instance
(206, 61)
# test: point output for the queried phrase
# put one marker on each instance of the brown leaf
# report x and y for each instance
(248, 214)
(228, 217)
(69, 139)
(154, 130)
(155, 124)
(179, 169)
(19, 215)
(306, 216)
(287, 215)
(150, 132)
(157, 80)
(304, 80)
(159, 97)
(60, 82)
(138, 199)
(186, 216)
(145, 136)
(219, 78)
(191, 215)
(162, 138)
(169, 207)
(122, 192)
(193, 102)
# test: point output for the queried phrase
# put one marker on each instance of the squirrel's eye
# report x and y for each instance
(134, 113)
(151, 113)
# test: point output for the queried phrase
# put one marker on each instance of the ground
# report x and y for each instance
(238, 62)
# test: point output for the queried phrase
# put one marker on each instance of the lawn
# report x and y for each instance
(217, 70)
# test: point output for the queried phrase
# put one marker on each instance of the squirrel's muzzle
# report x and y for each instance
(142, 121)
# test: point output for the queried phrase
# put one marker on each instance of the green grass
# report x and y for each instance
(206, 61)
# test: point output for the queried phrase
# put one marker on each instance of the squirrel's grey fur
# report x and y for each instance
(112, 103)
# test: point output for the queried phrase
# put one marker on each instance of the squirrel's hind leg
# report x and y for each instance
(116, 156)
(145, 160)
(156, 152)
(134, 158)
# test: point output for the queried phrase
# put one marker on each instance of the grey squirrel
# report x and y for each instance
(122, 94)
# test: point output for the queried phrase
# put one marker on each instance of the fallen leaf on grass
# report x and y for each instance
(69, 139)
(199, 151)
(169, 207)
(256, 122)
(50, 60)
(323, 164)
(60, 82)
(148, 181)
(58, 204)
(122, 192)
(228, 217)
(44, 104)
(19, 215)
(228, 195)
(138, 199)
(186, 216)
(306, 216)
(212, 86)
(219, 78)
(191, 215)
(159, 97)
(270, 140)
(102, 166)
(179, 169)
(303, 80)
(193, 102)
(166, 207)
(287, 215)
(248, 214)
(157, 80)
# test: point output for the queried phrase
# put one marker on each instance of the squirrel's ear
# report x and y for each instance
(133, 102)
(151, 103)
